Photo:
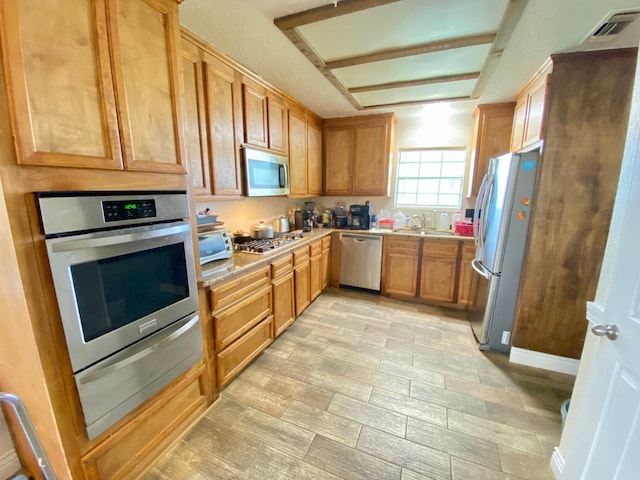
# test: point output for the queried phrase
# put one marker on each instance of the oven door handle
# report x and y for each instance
(143, 352)
(118, 239)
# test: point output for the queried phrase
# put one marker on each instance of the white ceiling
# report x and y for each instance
(244, 30)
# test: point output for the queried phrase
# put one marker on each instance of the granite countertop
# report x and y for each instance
(219, 270)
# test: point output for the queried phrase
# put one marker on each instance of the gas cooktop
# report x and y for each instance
(267, 245)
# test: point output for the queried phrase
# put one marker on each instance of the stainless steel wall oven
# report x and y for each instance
(123, 269)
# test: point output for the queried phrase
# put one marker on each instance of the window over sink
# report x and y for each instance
(430, 177)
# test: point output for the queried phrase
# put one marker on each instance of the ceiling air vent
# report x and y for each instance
(615, 24)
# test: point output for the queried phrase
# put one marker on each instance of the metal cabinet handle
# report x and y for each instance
(610, 331)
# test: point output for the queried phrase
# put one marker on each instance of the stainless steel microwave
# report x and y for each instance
(266, 174)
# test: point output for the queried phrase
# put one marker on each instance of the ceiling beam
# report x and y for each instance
(416, 83)
(420, 49)
(510, 19)
(326, 12)
(418, 102)
(308, 52)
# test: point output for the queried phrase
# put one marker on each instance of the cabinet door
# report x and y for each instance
(339, 144)
(315, 276)
(302, 287)
(438, 273)
(195, 124)
(297, 152)
(535, 113)
(519, 119)
(284, 305)
(277, 120)
(145, 35)
(467, 279)
(400, 274)
(224, 121)
(371, 161)
(314, 157)
(254, 103)
(326, 270)
(59, 83)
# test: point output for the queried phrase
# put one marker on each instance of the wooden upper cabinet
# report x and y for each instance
(144, 39)
(358, 154)
(277, 121)
(528, 123)
(305, 154)
(224, 113)
(195, 122)
(297, 152)
(254, 98)
(371, 160)
(98, 88)
(314, 157)
(491, 138)
(339, 142)
(58, 74)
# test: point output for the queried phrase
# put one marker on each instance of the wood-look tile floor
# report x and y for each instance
(364, 387)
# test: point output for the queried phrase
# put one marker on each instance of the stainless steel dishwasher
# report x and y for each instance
(360, 260)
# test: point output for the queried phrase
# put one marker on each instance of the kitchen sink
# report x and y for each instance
(425, 233)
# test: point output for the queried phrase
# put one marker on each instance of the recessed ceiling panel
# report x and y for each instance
(414, 94)
(401, 24)
(448, 62)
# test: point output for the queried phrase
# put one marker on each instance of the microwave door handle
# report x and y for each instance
(69, 245)
(282, 176)
(118, 364)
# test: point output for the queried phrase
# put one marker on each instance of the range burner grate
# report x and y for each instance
(268, 244)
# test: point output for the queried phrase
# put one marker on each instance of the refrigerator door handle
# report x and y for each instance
(477, 266)
(476, 213)
(486, 198)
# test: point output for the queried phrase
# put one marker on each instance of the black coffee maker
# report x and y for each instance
(360, 217)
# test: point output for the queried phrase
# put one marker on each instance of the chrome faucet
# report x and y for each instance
(421, 218)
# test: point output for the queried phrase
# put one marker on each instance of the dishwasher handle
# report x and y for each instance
(361, 238)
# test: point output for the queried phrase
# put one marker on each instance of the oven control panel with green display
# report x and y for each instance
(116, 210)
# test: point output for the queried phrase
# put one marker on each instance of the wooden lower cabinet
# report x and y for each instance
(315, 270)
(467, 278)
(325, 261)
(234, 358)
(400, 266)
(242, 321)
(302, 279)
(131, 449)
(284, 304)
(431, 270)
(438, 271)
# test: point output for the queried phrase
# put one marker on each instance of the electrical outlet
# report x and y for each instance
(506, 337)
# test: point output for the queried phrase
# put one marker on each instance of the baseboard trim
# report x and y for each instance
(546, 361)
(9, 464)
(557, 464)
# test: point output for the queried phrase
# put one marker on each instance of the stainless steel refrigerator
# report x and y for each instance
(500, 226)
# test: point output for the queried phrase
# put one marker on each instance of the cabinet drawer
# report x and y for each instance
(316, 248)
(128, 451)
(230, 324)
(440, 248)
(282, 266)
(405, 245)
(326, 242)
(227, 294)
(300, 256)
(233, 359)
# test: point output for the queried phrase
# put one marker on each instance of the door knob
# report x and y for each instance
(610, 331)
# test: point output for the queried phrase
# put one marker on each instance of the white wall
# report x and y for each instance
(9, 463)
(439, 126)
